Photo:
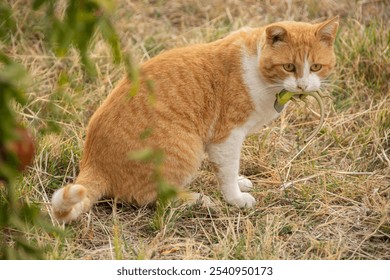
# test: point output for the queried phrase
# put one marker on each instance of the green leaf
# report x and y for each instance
(155, 156)
(106, 5)
(146, 133)
(110, 36)
(7, 22)
(166, 192)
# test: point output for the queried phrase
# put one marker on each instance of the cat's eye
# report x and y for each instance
(289, 67)
(315, 67)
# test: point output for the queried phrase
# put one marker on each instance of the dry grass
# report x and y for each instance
(335, 203)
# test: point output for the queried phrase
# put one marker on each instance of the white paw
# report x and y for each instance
(197, 198)
(243, 200)
(244, 184)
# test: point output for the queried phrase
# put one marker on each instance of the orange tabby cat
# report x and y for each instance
(208, 97)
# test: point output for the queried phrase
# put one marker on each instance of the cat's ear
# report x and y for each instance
(326, 31)
(275, 34)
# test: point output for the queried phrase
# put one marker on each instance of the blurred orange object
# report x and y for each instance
(23, 147)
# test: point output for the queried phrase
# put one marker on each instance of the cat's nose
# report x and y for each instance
(302, 86)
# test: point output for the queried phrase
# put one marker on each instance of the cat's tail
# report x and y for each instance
(70, 201)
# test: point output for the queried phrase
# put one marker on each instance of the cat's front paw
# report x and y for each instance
(244, 184)
(244, 200)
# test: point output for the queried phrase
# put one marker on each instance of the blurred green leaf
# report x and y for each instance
(132, 73)
(166, 192)
(7, 22)
(109, 34)
(107, 5)
(74, 27)
(147, 155)
(146, 133)
(82, 20)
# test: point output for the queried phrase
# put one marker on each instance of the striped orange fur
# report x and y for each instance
(208, 97)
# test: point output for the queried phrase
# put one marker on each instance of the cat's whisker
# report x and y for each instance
(271, 89)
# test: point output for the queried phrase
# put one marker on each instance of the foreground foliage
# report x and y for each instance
(19, 217)
(325, 200)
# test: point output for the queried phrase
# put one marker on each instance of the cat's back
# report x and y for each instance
(180, 85)
(176, 88)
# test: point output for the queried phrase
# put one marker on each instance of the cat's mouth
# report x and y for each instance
(284, 96)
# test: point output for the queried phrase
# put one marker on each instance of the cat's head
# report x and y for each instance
(298, 56)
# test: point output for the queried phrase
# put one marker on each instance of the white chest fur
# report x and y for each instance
(261, 93)
(226, 155)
